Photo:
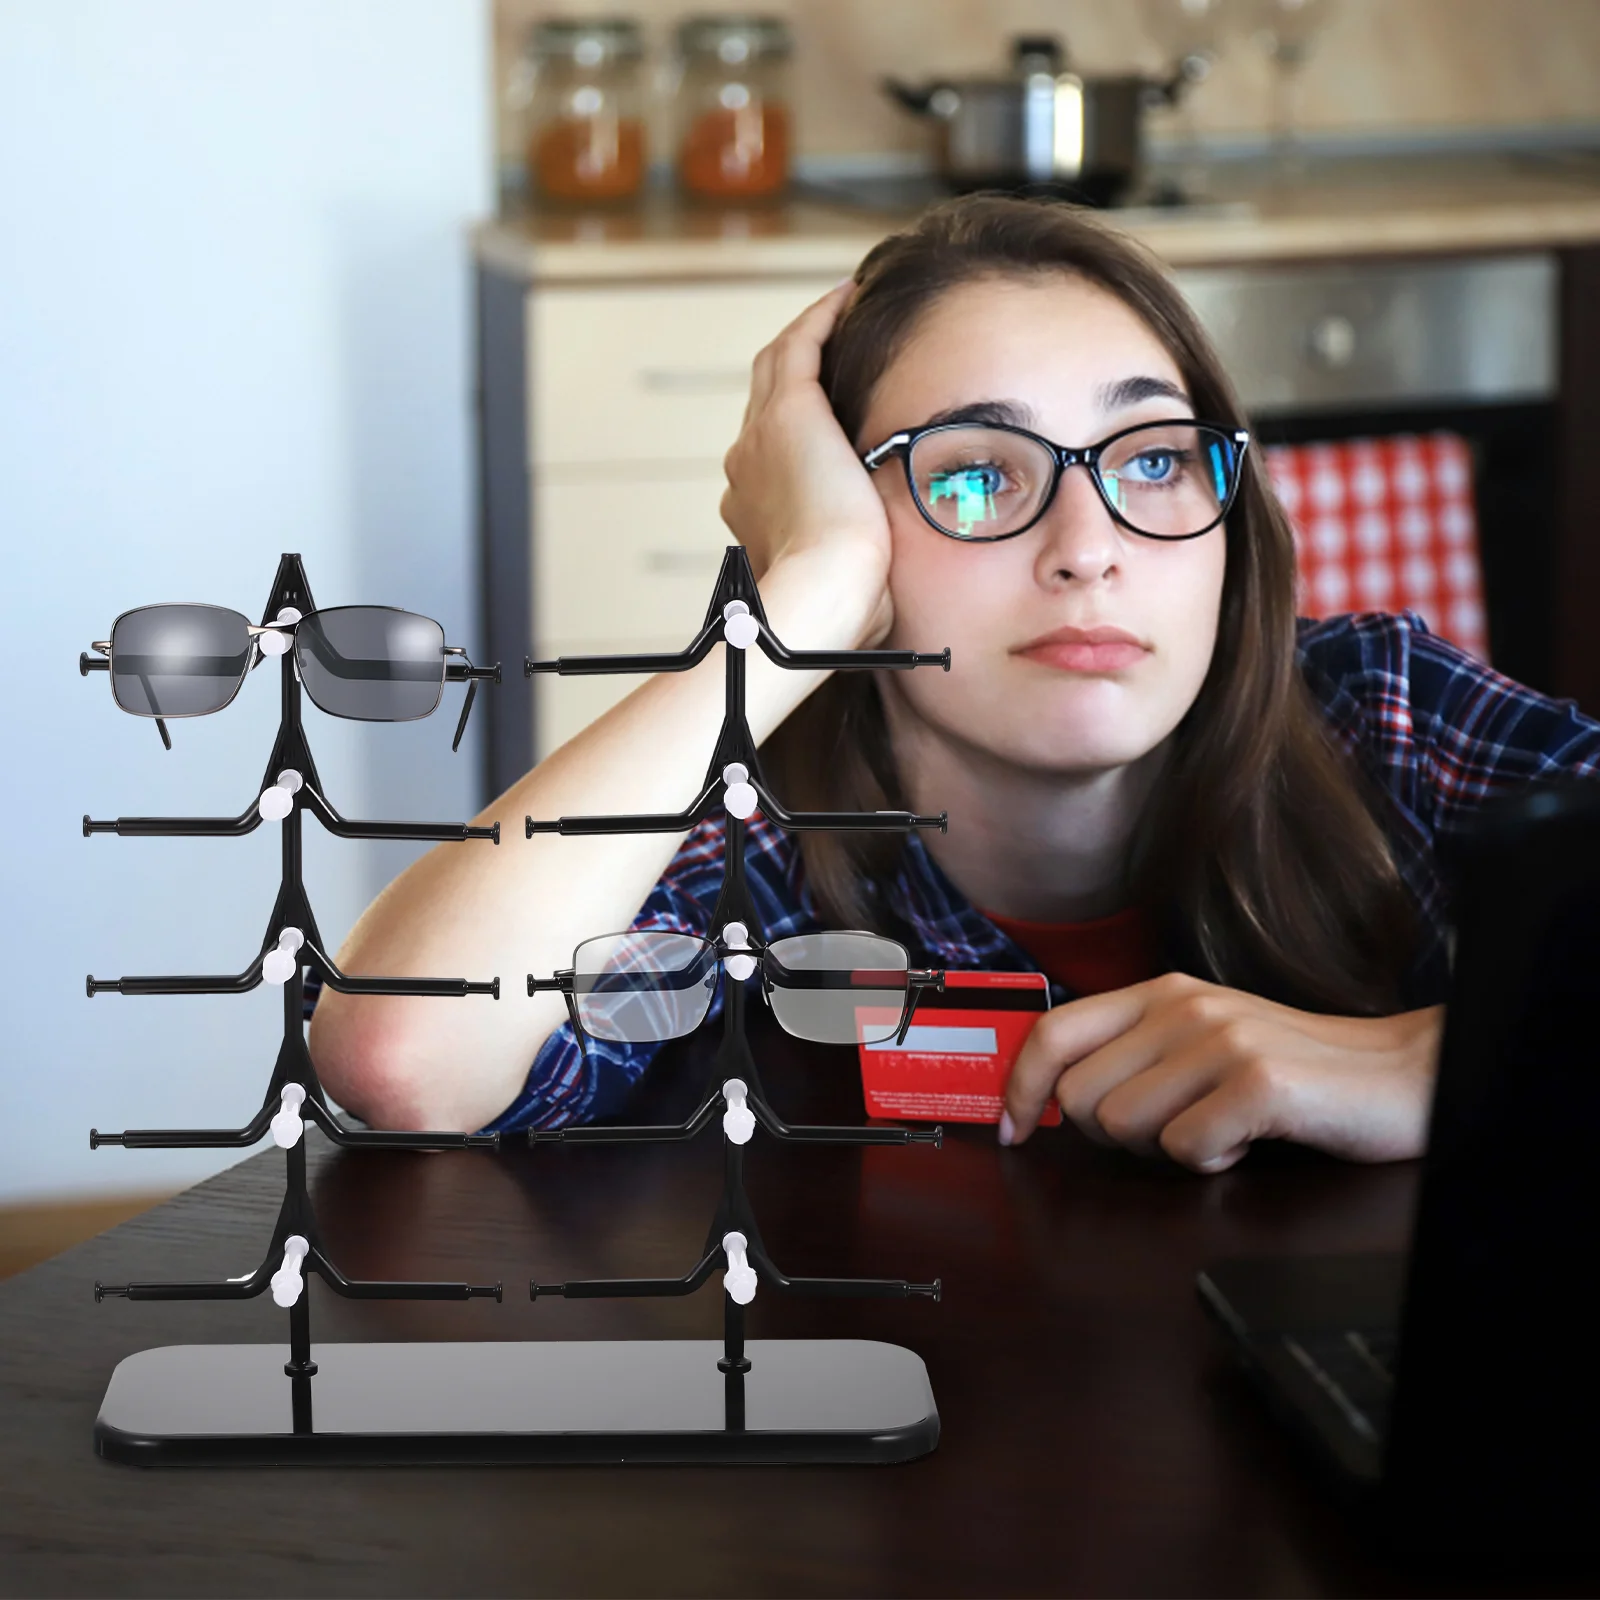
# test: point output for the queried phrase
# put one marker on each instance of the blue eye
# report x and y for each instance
(1152, 466)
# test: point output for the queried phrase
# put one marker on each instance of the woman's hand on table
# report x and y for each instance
(797, 492)
(1189, 1069)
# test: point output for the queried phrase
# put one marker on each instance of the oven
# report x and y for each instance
(1370, 350)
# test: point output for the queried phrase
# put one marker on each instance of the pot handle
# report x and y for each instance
(925, 102)
(1192, 69)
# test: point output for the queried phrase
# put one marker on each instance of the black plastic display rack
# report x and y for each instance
(202, 1402)
(714, 1400)
(795, 1400)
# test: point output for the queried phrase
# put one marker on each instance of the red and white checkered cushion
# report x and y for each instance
(1387, 525)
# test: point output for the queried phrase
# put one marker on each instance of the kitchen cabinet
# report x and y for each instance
(631, 395)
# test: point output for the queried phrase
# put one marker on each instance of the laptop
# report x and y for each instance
(1456, 1390)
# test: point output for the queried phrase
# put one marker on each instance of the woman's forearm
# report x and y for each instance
(471, 910)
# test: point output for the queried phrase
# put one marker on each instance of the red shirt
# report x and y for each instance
(1087, 957)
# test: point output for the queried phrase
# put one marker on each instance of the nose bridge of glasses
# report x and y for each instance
(1078, 512)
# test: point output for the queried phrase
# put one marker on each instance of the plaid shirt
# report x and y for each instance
(1439, 731)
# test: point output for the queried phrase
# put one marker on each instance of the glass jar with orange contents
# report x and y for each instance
(733, 107)
(585, 118)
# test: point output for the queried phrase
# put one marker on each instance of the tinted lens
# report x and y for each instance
(980, 483)
(638, 987)
(372, 663)
(1172, 479)
(837, 988)
(178, 661)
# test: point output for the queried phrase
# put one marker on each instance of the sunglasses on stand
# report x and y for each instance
(651, 985)
(364, 663)
(983, 482)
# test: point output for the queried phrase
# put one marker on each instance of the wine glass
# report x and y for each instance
(1189, 35)
(1286, 29)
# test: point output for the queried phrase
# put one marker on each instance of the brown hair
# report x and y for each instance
(1259, 857)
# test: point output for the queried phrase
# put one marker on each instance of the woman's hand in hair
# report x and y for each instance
(1188, 1069)
(797, 493)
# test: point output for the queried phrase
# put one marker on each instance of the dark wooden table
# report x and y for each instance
(1095, 1438)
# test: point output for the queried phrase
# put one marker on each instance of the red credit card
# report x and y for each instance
(957, 1052)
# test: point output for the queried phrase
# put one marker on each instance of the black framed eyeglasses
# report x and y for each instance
(988, 481)
(365, 663)
(649, 985)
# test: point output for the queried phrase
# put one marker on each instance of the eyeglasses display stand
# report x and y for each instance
(733, 1399)
(195, 1403)
(715, 1400)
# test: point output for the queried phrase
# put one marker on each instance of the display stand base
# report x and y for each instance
(803, 1400)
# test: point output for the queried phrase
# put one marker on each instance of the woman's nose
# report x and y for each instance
(1080, 539)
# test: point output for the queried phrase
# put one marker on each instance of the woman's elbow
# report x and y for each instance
(376, 1058)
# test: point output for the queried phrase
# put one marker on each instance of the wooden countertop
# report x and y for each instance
(1333, 210)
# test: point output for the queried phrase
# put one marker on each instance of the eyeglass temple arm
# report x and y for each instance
(661, 822)
(465, 672)
(250, 978)
(88, 663)
(678, 661)
(916, 983)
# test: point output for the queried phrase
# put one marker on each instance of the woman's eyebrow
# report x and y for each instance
(1005, 412)
(1130, 391)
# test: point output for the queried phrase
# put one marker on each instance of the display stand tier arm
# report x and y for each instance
(294, 1097)
(267, 968)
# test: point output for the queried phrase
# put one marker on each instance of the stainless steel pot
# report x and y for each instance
(1041, 126)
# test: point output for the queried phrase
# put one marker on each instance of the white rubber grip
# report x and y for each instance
(287, 1284)
(739, 797)
(739, 628)
(738, 1121)
(286, 1125)
(740, 1278)
(278, 965)
(278, 801)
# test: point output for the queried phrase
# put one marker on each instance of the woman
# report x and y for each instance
(1213, 830)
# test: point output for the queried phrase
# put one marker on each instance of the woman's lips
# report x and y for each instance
(1086, 650)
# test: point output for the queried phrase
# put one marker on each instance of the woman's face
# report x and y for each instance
(1067, 360)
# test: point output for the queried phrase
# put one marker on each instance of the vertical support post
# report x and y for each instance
(734, 1363)
(298, 1205)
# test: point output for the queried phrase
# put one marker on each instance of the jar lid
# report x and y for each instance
(734, 40)
(587, 41)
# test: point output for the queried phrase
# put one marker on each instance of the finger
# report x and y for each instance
(1134, 1113)
(1084, 1087)
(1218, 1129)
(1059, 1039)
(760, 381)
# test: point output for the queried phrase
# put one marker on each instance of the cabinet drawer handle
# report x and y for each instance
(689, 380)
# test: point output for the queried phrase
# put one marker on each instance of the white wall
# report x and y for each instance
(234, 320)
